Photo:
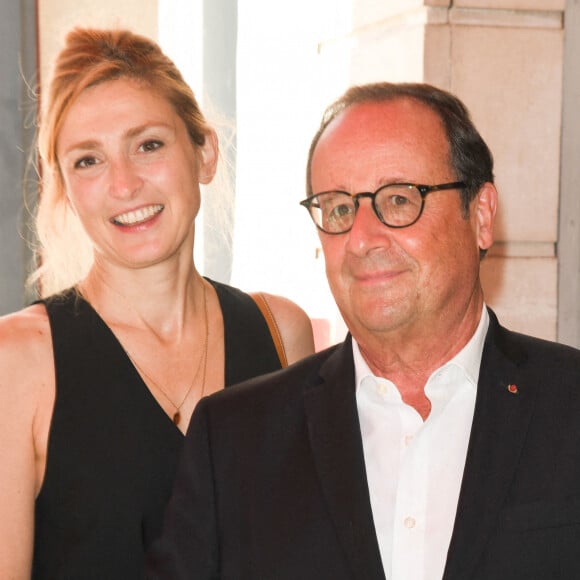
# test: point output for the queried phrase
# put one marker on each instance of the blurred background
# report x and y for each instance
(264, 71)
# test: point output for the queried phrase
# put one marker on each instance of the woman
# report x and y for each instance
(99, 379)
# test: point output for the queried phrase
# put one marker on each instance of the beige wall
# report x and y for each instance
(57, 17)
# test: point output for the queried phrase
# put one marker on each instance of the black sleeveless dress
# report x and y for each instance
(112, 450)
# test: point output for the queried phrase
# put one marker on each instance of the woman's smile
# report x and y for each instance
(138, 216)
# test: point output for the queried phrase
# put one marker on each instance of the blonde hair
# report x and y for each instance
(91, 56)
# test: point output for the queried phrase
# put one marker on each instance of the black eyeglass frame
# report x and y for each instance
(422, 189)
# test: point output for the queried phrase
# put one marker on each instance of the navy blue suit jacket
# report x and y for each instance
(272, 482)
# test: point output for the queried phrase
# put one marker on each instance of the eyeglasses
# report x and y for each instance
(397, 205)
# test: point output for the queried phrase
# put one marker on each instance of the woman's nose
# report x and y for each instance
(125, 181)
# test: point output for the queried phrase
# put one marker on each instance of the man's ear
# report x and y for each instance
(485, 210)
(209, 153)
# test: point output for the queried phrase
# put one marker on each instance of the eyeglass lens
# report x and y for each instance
(396, 205)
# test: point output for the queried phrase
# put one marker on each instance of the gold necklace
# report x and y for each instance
(201, 365)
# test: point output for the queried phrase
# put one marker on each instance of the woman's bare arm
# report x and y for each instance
(26, 400)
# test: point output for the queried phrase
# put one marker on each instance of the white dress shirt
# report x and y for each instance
(414, 467)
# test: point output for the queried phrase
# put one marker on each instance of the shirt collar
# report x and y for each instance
(468, 358)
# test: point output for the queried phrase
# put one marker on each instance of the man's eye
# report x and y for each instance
(339, 212)
(399, 200)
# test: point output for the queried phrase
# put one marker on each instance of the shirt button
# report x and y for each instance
(409, 522)
(382, 388)
(408, 440)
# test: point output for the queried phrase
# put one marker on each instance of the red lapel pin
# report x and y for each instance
(512, 389)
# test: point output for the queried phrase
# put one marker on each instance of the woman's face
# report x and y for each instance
(132, 174)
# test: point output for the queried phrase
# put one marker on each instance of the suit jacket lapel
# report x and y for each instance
(334, 430)
(503, 409)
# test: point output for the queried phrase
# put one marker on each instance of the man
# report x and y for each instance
(432, 443)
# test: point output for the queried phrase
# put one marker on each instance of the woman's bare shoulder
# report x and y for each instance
(26, 327)
(294, 325)
(25, 344)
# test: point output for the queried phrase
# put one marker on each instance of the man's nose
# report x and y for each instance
(367, 230)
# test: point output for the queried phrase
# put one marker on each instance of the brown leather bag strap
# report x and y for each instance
(264, 307)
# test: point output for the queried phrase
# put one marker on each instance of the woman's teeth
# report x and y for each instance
(137, 216)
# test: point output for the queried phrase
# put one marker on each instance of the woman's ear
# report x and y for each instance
(209, 153)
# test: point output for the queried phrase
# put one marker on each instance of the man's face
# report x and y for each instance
(405, 280)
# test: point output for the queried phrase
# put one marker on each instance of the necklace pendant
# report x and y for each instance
(176, 418)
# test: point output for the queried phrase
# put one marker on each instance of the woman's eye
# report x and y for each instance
(85, 162)
(152, 145)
